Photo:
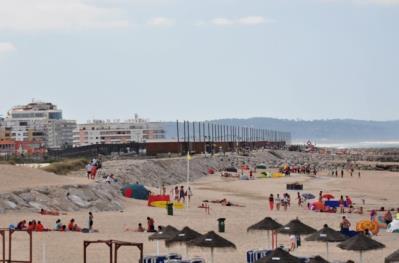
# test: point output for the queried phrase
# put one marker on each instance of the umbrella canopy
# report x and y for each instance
(296, 227)
(328, 196)
(279, 255)
(394, 257)
(318, 259)
(166, 233)
(360, 242)
(266, 224)
(308, 196)
(136, 191)
(183, 236)
(211, 240)
(326, 234)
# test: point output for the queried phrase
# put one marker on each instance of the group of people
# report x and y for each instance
(351, 173)
(37, 226)
(278, 201)
(92, 168)
(150, 226)
(180, 194)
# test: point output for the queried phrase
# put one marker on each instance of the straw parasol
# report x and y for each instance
(211, 240)
(267, 224)
(166, 233)
(318, 259)
(394, 257)
(279, 256)
(361, 243)
(327, 235)
(296, 227)
(182, 237)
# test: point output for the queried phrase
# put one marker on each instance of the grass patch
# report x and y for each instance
(65, 166)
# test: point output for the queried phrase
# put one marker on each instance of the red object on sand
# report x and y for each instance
(211, 171)
(156, 198)
(328, 196)
(128, 192)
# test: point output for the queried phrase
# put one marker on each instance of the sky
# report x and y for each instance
(202, 59)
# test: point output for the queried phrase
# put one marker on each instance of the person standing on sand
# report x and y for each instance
(88, 170)
(358, 175)
(189, 193)
(91, 221)
(341, 204)
(342, 173)
(278, 202)
(299, 198)
(182, 196)
(271, 202)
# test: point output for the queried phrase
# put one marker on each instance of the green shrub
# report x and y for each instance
(65, 166)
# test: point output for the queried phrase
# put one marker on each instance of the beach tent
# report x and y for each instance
(261, 166)
(136, 191)
(393, 227)
(317, 206)
(372, 226)
(161, 201)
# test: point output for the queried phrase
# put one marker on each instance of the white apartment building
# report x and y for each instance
(117, 132)
(38, 122)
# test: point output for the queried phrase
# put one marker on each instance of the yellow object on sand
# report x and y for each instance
(278, 175)
(162, 204)
(372, 226)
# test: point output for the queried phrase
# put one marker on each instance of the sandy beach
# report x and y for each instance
(376, 188)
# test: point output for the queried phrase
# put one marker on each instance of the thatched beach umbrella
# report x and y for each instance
(394, 257)
(327, 235)
(318, 259)
(182, 237)
(279, 256)
(165, 233)
(296, 227)
(211, 240)
(267, 224)
(361, 243)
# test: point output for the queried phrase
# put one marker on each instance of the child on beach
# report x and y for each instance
(271, 202)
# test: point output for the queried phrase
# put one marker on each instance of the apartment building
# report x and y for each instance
(116, 132)
(38, 122)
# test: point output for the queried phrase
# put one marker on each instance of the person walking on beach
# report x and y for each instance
(278, 202)
(176, 193)
(271, 202)
(342, 173)
(88, 170)
(358, 175)
(182, 193)
(299, 198)
(91, 221)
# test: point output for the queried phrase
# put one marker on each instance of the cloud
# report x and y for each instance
(220, 21)
(252, 20)
(241, 21)
(38, 15)
(161, 22)
(6, 47)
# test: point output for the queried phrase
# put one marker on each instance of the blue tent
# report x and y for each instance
(136, 191)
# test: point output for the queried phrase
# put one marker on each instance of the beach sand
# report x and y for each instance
(377, 188)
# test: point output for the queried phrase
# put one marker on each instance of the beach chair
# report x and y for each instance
(154, 259)
(254, 255)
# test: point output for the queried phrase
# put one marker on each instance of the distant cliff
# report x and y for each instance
(335, 130)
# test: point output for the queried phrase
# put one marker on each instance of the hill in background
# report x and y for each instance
(335, 130)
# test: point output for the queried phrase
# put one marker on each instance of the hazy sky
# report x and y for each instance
(202, 59)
